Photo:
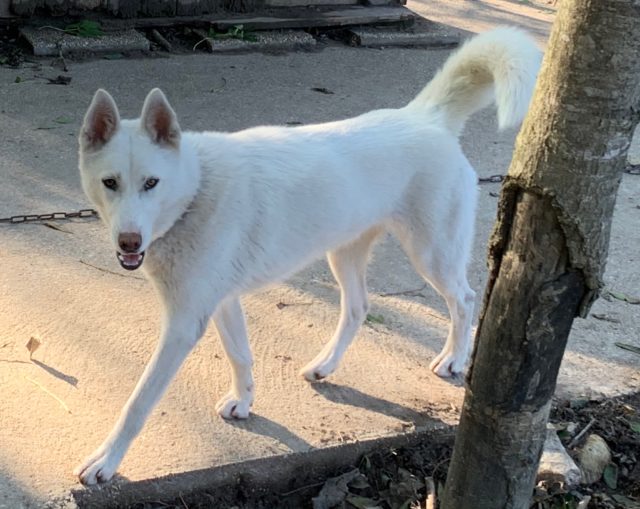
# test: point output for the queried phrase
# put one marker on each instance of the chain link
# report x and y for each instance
(54, 216)
(61, 216)
(491, 179)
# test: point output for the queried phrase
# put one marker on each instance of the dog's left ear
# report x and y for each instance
(159, 120)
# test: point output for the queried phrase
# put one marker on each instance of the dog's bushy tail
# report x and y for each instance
(500, 65)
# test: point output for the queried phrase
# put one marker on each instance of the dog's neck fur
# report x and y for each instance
(190, 176)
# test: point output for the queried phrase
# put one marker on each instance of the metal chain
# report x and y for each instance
(61, 216)
(491, 179)
(631, 169)
(54, 216)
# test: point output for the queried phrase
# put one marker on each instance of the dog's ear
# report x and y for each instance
(159, 120)
(100, 122)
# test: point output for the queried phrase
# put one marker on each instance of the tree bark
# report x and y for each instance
(548, 249)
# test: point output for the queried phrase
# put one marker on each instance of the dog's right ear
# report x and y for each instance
(100, 122)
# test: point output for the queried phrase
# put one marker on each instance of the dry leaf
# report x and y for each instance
(32, 345)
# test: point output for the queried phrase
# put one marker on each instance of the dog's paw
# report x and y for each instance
(318, 369)
(233, 407)
(448, 364)
(97, 468)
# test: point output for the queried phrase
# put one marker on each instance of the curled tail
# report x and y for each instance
(498, 66)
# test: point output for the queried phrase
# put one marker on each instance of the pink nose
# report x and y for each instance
(129, 242)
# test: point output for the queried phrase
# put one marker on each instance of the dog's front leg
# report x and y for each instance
(230, 322)
(179, 336)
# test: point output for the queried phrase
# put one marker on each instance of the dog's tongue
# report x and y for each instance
(131, 259)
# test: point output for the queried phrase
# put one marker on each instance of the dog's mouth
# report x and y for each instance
(130, 261)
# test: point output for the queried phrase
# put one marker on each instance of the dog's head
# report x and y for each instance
(128, 169)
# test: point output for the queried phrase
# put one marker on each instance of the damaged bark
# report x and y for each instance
(548, 249)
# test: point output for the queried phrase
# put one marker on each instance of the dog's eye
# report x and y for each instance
(110, 184)
(150, 183)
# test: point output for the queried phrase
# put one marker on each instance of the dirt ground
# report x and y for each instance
(98, 325)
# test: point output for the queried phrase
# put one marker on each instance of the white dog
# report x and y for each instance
(216, 215)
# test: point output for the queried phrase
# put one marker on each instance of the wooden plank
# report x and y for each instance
(193, 7)
(158, 8)
(275, 19)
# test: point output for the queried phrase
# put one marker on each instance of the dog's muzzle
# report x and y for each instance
(130, 261)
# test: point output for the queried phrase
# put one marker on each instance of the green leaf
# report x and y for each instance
(235, 32)
(375, 318)
(63, 120)
(84, 28)
(635, 426)
(610, 475)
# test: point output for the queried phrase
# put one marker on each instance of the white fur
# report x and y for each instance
(233, 212)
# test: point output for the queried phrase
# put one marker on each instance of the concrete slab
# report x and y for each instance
(51, 42)
(269, 41)
(423, 33)
(98, 324)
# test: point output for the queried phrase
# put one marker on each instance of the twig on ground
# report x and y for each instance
(577, 438)
(61, 57)
(408, 293)
(55, 227)
(110, 271)
(204, 39)
(160, 40)
(52, 28)
(62, 403)
(302, 488)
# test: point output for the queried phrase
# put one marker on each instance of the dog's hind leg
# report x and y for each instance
(442, 263)
(349, 266)
(230, 322)
(460, 299)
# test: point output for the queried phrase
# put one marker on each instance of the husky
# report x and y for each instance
(211, 216)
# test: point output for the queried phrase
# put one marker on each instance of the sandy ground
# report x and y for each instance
(98, 324)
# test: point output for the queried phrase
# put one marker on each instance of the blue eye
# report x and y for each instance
(150, 183)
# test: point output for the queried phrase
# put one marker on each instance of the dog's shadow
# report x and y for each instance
(339, 394)
(345, 395)
(266, 427)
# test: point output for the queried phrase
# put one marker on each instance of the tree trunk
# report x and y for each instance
(548, 248)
